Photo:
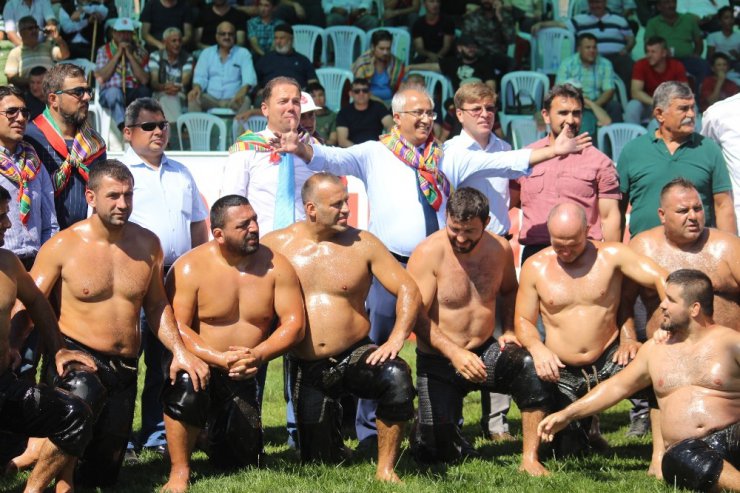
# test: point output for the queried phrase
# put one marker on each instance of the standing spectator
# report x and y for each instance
(158, 15)
(649, 72)
(33, 53)
(171, 72)
(718, 86)
(363, 119)
(224, 75)
(350, 12)
(34, 96)
(326, 120)
(492, 26)
(123, 70)
(261, 29)
(433, 34)
(380, 67)
(213, 15)
(78, 27)
(283, 60)
(15, 10)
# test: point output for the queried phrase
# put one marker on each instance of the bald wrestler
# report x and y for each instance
(228, 291)
(460, 270)
(336, 264)
(37, 411)
(109, 269)
(575, 285)
(696, 378)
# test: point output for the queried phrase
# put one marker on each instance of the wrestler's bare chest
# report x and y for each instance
(331, 269)
(711, 260)
(461, 284)
(559, 288)
(675, 366)
(103, 273)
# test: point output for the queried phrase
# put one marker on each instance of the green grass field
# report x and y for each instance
(623, 470)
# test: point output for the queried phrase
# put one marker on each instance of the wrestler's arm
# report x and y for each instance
(507, 294)
(398, 282)
(628, 343)
(640, 268)
(547, 364)
(634, 377)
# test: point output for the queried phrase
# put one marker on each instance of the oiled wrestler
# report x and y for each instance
(335, 264)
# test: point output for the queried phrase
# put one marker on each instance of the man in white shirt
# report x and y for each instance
(14, 10)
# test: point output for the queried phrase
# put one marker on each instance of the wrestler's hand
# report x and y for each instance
(566, 145)
(552, 424)
(387, 351)
(67, 359)
(195, 367)
(508, 337)
(626, 351)
(661, 336)
(247, 364)
(469, 365)
(547, 364)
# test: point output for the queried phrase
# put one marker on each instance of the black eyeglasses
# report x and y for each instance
(150, 126)
(476, 111)
(360, 91)
(77, 92)
(12, 113)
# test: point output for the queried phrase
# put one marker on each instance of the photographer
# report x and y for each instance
(32, 52)
(78, 26)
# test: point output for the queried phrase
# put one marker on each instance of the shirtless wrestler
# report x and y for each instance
(696, 378)
(335, 264)
(575, 285)
(460, 270)
(109, 269)
(38, 411)
(225, 295)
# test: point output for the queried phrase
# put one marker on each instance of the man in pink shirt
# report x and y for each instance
(588, 178)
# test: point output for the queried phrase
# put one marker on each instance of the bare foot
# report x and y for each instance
(655, 468)
(533, 468)
(179, 481)
(388, 476)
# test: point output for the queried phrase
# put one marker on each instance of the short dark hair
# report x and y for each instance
(4, 195)
(10, 90)
(381, 35)
(112, 168)
(583, 36)
(309, 187)
(565, 91)
(467, 203)
(219, 208)
(360, 81)
(722, 11)
(656, 40)
(696, 288)
(277, 81)
(26, 21)
(314, 86)
(37, 70)
(55, 77)
(678, 182)
(137, 106)
(717, 55)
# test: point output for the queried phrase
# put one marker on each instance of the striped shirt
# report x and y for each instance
(611, 31)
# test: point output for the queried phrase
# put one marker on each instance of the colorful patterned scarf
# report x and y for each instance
(432, 181)
(252, 141)
(31, 165)
(87, 146)
(364, 67)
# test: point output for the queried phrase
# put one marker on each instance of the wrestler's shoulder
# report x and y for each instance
(142, 237)
(648, 239)
(431, 245)
(8, 261)
(195, 259)
(717, 236)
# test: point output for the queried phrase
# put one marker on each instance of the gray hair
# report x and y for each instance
(399, 99)
(170, 31)
(668, 91)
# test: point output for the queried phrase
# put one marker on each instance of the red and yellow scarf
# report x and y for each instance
(30, 165)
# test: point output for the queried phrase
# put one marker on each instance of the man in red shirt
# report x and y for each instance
(647, 74)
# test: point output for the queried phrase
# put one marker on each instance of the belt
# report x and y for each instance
(400, 258)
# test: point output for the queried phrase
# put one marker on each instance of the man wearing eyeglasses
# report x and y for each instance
(365, 119)
(168, 203)
(15, 10)
(32, 52)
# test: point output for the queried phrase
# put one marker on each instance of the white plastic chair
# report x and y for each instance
(83, 63)
(527, 86)
(333, 80)
(102, 116)
(401, 44)
(348, 43)
(524, 132)
(550, 46)
(618, 134)
(255, 123)
(200, 126)
(305, 38)
(436, 81)
(621, 94)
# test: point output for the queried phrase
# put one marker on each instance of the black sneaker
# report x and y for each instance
(639, 427)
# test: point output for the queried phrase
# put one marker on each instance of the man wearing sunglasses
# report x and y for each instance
(365, 119)
(32, 52)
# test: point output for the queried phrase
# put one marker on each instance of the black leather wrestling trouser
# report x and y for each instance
(319, 385)
(111, 395)
(43, 411)
(229, 410)
(697, 463)
(442, 389)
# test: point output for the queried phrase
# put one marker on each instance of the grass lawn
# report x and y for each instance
(624, 470)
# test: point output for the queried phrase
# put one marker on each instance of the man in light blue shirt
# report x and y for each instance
(224, 75)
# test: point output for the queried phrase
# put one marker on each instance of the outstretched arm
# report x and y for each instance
(640, 269)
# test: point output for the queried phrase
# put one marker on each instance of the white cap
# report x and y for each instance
(123, 24)
(307, 103)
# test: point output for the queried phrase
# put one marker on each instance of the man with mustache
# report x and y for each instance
(696, 378)
(226, 294)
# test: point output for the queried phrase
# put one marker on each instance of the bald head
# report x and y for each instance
(568, 227)
(314, 183)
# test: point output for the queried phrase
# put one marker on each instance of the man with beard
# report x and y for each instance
(65, 142)
(336, 264)
(696, 378)
(380, 67)
(587, 178)
(226, 294)
(460, 271)
(284, 61)
(575, 285)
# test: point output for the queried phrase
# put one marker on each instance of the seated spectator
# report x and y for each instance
(15, 10)
(158, 15)
(526, 13)
(290, 12)
(726, 40)
(78, 27)
(384, 70)
(401, 13)
(622, 8)
(213, 15)
(450, 126)
(326, 120)
(705, 10)
(363, 119)
(594, 75)
(283, 60)
(356, 13)
(308, 116)
(224, 75)
(122, 67)
(649, 72)
(718, 86)
(34, 96)
(262, 28)
(33, 53)
(171, 73)
(683, 37)
(433, 35)
(492, 27)
(468, 63)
